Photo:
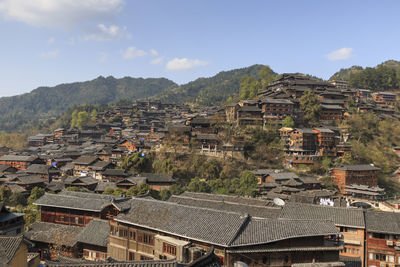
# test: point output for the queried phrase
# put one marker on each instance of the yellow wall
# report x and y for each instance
(20, 257)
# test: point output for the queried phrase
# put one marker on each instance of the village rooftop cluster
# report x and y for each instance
(295, 221)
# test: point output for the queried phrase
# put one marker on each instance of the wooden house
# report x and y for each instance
(11, 223)
(86, 182)
(93, 239)
(78, 208)
(276, 109)
(249, 116)
(235, 237)
(159, 181)
(43, 171)
(331, 113)
(382, 238)
(82, 165)
(349, 221)
(19, 162)
(384, 98)
(52, 239)
(363, 174)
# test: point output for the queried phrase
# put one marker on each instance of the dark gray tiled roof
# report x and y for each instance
(101, 186)
(218, 227)
(95, 233)
(360, 167)
(115, 172)
(77, 200)
(150, 263)
(265, 231)
(8, 247)
(39, 169)
(382, 222)
(213, 226)
(226, 198)
(255, 211)
(17, 158)
(85, 160)
(284, 175)
(52, 233)
(350, 217)
(27, 179)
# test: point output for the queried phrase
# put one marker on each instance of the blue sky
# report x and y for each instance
(47, 42)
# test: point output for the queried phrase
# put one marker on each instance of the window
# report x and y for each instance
(169, 249)
(123, 232)
(391, 258)
(132, 235)
(131, 256)
(148, 239)
(371, 256)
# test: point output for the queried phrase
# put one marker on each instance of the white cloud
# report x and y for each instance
(154, 52)
(340, 54)
(104, 33)
(184, 63)
(132, 52)
(157, 60)
(59, 13)
(50, 54)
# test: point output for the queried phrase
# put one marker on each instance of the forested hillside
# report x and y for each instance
(20, 112)
(384, 77)
(210, 91)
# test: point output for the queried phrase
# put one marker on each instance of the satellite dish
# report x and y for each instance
(279, 202)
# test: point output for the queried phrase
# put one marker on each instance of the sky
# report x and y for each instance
(48, 42)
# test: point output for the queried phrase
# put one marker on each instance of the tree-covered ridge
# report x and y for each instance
(384, 77)
(210, 91)
(21, 112)
(344, 74)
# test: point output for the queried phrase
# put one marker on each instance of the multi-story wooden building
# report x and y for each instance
(249, 116)
(349, 221)
(19, 162)
(384, 98)
(78, 208)
(82, 164)
(363, 174)
(161, 230)
(93, 239)
(331, 113)
(305, 139)
(326, 141)
(382, 238)
(276, 109)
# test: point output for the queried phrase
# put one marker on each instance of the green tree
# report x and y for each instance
(74, 119)
(165, 194)
(93, 115)
(17, 199)
(5, 194)
(36, 193)
(137, 163)
(83, 118)
(288, 122)
(118, 192)
(311, 107)
(247, 184)
(108, 191)
(198, 185)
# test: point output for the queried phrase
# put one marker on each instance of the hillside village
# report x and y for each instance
(105, 190)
